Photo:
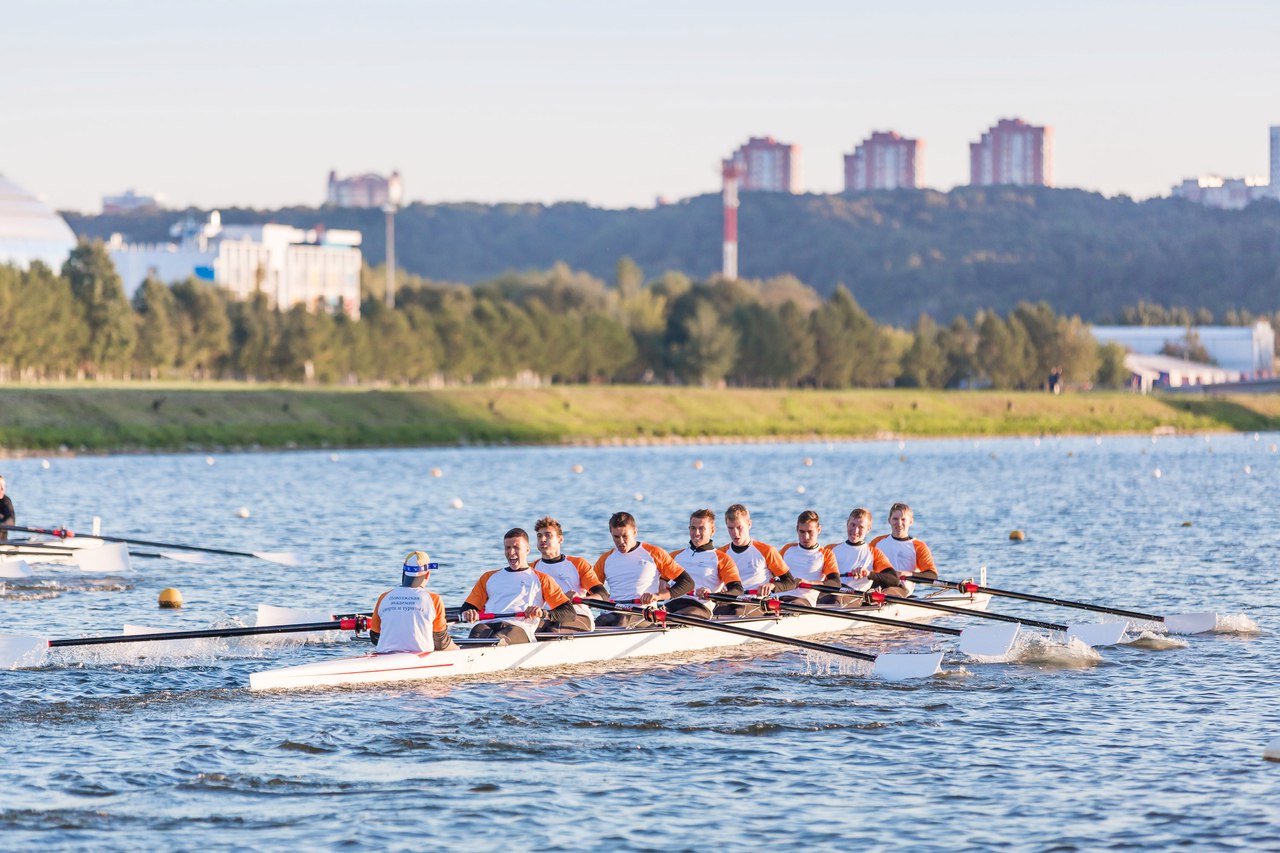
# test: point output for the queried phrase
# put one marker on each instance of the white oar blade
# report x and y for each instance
(898, 667)
(111, 557)
(186, 557)
(17, 650)
(989, 641)
(1098, 633)
(1191, 623)
(284, 558)
(14, 569)
(269, 614)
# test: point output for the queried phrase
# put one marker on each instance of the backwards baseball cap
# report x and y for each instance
(418, 563)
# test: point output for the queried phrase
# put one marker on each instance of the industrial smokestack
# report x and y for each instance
(730, 171)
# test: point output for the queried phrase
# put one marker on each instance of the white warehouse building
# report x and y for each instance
(317, 268)
(1246, 350)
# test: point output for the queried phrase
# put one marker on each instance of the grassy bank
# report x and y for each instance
(175, 417)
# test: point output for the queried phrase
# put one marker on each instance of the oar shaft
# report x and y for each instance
(1040, 599)
(336, 625)
(694, 621)
(796, 607)
(946, 608)
(63, 534)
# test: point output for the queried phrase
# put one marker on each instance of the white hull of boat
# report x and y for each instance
(572, 649)
(87, 554)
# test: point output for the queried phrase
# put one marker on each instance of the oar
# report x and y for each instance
(978, 641)
(15, 647)
(283, 557)
(888, 666)
(1089, 633)
(1176, 623)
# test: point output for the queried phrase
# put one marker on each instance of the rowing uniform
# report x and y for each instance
(515, 590)
(711, 570)
(853, 558)
(409, 619)
(758, 563)
(631, 574)
(815, 565)
(6, 515)
(576, 578)
(906, 555)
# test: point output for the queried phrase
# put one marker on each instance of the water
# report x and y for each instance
(1153, 745)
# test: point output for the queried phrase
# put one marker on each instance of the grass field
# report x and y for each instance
(226, 415)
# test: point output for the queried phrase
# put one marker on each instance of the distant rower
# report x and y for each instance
(909, 556)
(409, 618)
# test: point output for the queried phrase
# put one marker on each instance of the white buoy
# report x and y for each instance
(208, 460)
(1272, 752)
(243, 512)
(436, 472)
(799, 490)
(901, 444)
(333, 457)
(1157, 474)
(808, 462)
(44, 463)
(1256, 437)
(577, 469)
(1037, 443)
(1273, 448)
(1248, 469)
(456, 503)
(639, 496)
(1098, 440)
(697, 464)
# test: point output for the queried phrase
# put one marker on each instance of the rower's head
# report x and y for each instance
(622, 527)
(738, 522)
(515, 545)
(550, 537)
(702, 526)
(1, 485)
(858, 525)
(417, 568)
(900, 518)
(807, 529)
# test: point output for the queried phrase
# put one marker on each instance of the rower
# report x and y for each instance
(409, 618)
(711, 570)
(635, 570)
(6, 510)
(859, 560)
(516, 589)
(759, 565)
(574, 575)
(908, 555)
(809, 561)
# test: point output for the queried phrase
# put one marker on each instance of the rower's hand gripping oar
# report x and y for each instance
(892, 667)
(978, 641)
(1176, 623)
(1089, 633)
(16, 649)
(283, 557)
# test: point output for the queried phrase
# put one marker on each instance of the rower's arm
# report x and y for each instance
(885, 578)
(734, 588)
(562, 614)
(682, 585)
(785, 582)
(831, 579)
(598, 591)
(442, 641)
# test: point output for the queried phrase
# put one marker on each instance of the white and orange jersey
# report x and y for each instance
(574, 574)
(512, 591)
(636, 572)
(756, 563)
(863, 557)
(906, 555)
(807, 564)
(406, 617)
(709, 568)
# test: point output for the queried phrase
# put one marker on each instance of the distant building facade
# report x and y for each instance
(1224, 193)
(30, 231)
(316, 267)
(1274, 174)
(1248, 351)
(129, 201)
(1149, 372)
(885, 161)
(367, 190)
(766, 164)
(1012, 152)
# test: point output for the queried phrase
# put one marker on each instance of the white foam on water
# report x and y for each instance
(1045, 651)
(1237, 623)
(821, 663)
(959, 672)
(1157, 641)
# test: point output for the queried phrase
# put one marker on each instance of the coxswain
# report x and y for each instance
(6, 511)
(409, 618)
(518, 588)
(861, 565)
(759, 565)
(908, 555)
(808, 561)
(711, 570)
(574, 575)
(635, 571)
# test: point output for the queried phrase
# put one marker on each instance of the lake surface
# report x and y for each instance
(1149, 745)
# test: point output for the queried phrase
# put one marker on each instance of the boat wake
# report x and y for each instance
(1157, 641)
(1237, 623)
(818, 663)
(1044, 651)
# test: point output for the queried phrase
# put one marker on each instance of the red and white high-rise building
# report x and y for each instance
(885, 161)
(764, 163)
(1012, 152)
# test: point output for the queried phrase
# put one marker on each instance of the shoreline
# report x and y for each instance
(228, 417)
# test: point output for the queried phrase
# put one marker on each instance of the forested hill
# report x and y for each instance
(901, 253)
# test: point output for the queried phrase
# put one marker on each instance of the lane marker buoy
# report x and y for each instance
(170, 598)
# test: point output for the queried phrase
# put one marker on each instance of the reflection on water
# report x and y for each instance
(1140, 745)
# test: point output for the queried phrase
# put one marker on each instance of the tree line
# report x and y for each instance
(558, 325)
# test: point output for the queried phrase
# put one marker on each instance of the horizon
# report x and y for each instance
(505, 103)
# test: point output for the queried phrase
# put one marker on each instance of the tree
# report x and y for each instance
(925, 364)
(96, 286)
(156, 309)
(1111, 370)
(703, 348)
(205, 330)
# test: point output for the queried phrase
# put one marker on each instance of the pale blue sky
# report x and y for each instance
(251, 102)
